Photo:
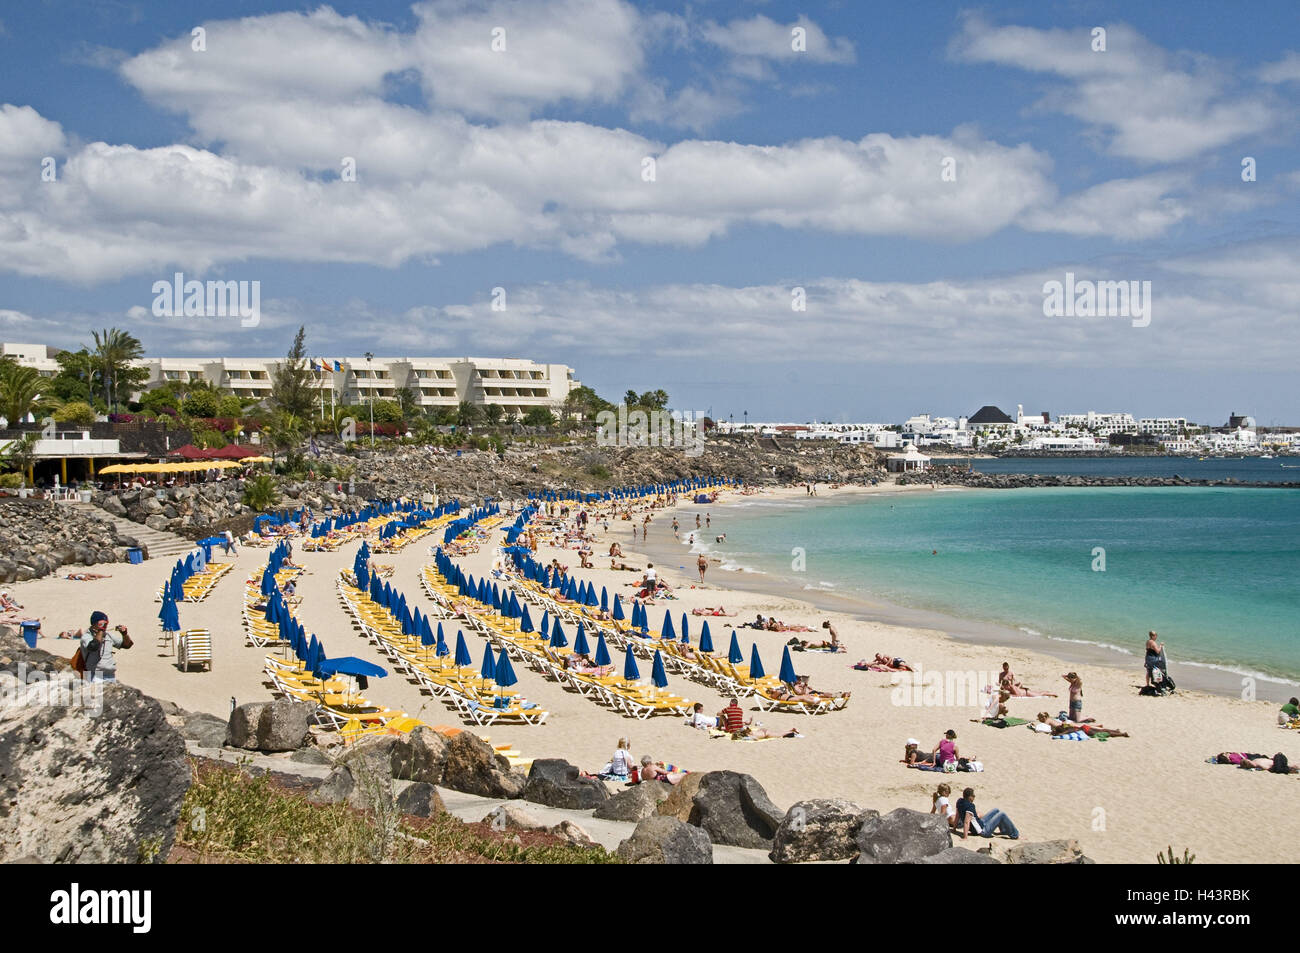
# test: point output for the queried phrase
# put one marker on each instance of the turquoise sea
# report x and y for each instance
(1214, 571)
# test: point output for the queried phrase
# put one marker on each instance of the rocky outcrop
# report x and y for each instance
(557, 783)
(1048, 852)
(420, 799)
(634, 803)
(38, 537)
(86, 775)
(959, 855)
(280, 725)
(204, 729)
(666, 840)
(1011, 481)
(196, 509)
(733, 808)
(902, 836)
(512, 817)
(817, 830)
(472, 766)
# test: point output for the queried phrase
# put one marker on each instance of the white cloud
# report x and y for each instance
(1143, 102)
(762, 38)
(579, 50)
(1124, 209)
(1285, 70)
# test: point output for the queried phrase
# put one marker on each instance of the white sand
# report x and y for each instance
(1124, 800)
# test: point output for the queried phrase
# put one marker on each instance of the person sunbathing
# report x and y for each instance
(1062, 727)
(85, 576)
(650, 771)
(583, 665)
(1278, 764)
(912, 756)
(1009, 684)
(710, 610)
(801, 691)
(7, 604)
(883, 663)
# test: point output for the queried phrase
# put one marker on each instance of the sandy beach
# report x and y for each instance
(1124, 800)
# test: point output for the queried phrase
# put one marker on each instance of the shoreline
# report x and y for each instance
(1190, 675)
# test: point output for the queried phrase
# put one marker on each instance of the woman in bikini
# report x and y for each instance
(1060, 727)
(914, 758)
(1008, 683)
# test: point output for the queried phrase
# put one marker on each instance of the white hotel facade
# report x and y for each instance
(517, 385)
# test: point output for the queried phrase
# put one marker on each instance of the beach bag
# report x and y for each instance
(78, 662)
(950, 767)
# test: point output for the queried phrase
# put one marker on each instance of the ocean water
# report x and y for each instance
(1214, 571)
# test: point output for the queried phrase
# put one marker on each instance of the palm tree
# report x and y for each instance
(115, 350)
(20, 391)
(284, 432)
(20, 455)
(466, 414)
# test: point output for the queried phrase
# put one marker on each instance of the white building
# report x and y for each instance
(1101, 424)
(1162, 426)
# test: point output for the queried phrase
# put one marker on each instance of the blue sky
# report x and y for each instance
(818, 169)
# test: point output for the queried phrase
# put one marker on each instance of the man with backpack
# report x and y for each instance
(97, 644)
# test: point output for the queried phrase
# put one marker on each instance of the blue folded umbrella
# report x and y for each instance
(734, 655)
(505, 672)
(657, 673)
(558, 640)
(580, 646)
(525, 620)
(668, 632)
(604, 599)
(787, 673)
(618, 608)
(755, 663)
(489, 668)
(686, 629)
(601, 657)
(441, 650)
(630, 671)
(463, 658)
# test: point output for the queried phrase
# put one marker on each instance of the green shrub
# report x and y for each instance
(261, 492)
(76, 412)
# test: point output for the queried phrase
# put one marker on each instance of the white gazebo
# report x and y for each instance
(910, 461)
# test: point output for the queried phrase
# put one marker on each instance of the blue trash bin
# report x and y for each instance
(31, 629)
(135, 555)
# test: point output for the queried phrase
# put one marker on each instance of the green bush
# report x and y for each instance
(11, 481)
(261, 492)
(202, 403)
(76, 412)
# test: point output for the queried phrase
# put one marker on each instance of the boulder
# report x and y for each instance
(902, 836)
(818, 829)
(571, 833)
(681, 799)
(634, 803)
(98, 781)
(207, 730)
(472, 766)
(557, 783)
(421, 799)
(355, 785)
(666, 840)
(280, 725)
(735, 810)
(113, 506)
(959, 855)
(1048, 852)
(422, 756)
(512, 817)
(310, 756)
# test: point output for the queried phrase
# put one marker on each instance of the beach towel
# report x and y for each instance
(1005, 722)
(1072, 736)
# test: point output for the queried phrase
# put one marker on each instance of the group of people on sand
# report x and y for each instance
(622, 766)
(944, 756)
(964, 818)
(733, 722)
(772, 624)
